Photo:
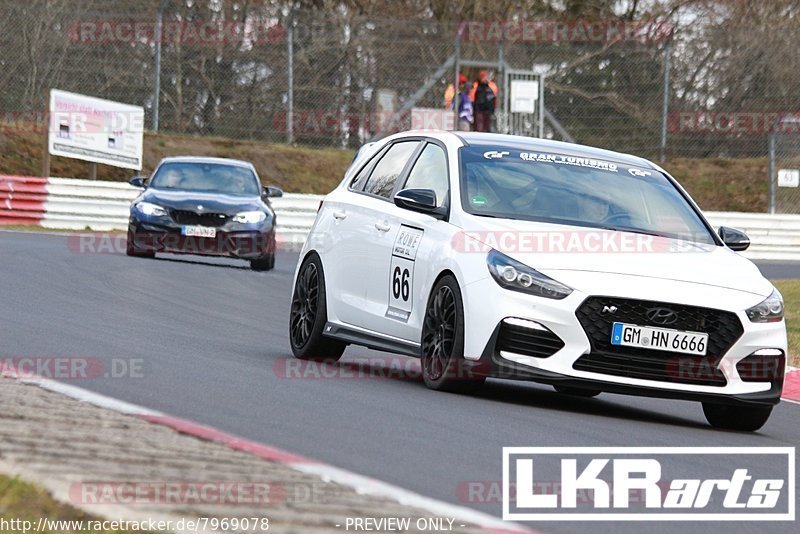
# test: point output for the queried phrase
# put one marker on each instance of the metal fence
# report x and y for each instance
(678, 83)
(784, 171)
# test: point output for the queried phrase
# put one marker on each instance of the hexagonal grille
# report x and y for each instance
(596, 318)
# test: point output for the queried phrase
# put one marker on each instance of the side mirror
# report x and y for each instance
(138, 181)
(420, 200)
(270, 191)
(734, 239)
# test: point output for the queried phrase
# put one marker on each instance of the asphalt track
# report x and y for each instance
(211, 339)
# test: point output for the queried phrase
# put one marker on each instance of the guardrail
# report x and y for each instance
(773, 237)
(63, 203)
(67, 204)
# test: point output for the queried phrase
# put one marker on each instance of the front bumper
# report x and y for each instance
(233, 240)
(559, 346)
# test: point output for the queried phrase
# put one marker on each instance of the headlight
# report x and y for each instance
(151, 209)
(517, 276)
(250, 217)
(768, 311)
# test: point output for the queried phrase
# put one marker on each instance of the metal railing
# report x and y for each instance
(68, 204)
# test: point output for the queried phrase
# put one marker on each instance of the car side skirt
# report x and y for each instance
(373, 341)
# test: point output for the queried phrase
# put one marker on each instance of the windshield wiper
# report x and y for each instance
(633, 231)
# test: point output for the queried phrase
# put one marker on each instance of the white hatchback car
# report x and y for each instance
(500, 256)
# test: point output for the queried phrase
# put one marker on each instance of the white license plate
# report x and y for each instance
(199, 231)
(650, 337)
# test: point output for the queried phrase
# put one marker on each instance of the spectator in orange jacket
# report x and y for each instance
(484, 100)
(450, 92)
(465, 115)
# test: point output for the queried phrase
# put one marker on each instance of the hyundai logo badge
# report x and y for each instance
(609, 309)
(661, 316)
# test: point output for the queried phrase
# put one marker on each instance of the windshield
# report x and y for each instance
(206, 178)
(514, 184)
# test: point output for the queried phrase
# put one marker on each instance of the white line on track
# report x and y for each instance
(91, 397)
(361, 484)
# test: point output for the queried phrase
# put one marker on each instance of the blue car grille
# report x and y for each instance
(192, 218)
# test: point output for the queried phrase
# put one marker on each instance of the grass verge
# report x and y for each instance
(22, 501)
(715, 183)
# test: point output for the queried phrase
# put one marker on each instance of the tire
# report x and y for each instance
(577, 392)
(443, 365)
(744, 418)
(264, 263)
(131, 250)
(309, 314)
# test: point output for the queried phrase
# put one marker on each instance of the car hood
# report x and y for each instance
(210, 202)
(560, 250)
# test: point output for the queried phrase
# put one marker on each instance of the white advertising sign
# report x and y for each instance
(788, 177)
(92, 129)
(524, 94)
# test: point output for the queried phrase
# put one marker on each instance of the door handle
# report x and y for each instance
(382, 226)
(340, 214)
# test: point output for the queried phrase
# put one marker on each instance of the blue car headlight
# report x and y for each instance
(516, 276)
(250, 217)
(153, 210)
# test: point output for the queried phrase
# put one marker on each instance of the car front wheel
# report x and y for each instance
(443, 365)
(744, 418)
(264, 263)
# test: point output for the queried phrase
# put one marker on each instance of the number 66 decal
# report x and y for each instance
(401, 275)
(400, 284)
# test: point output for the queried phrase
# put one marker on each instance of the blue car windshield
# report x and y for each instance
(206, 178)
(511, 183)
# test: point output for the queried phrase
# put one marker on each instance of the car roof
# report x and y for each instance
(206, 159)
(547, 145)
(533, 144)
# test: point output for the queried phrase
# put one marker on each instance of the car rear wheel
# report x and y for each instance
(577, 392)
(132, 250)
(745, 418)
(309, 314)
(264, 263)
(443, 365)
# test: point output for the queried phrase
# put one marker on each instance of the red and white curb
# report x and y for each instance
(791, 385)
(361, 484)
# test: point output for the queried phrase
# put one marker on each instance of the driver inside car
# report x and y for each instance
(172, 179)
(593, 208)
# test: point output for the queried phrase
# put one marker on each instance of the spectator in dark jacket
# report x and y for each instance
(484, 101)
